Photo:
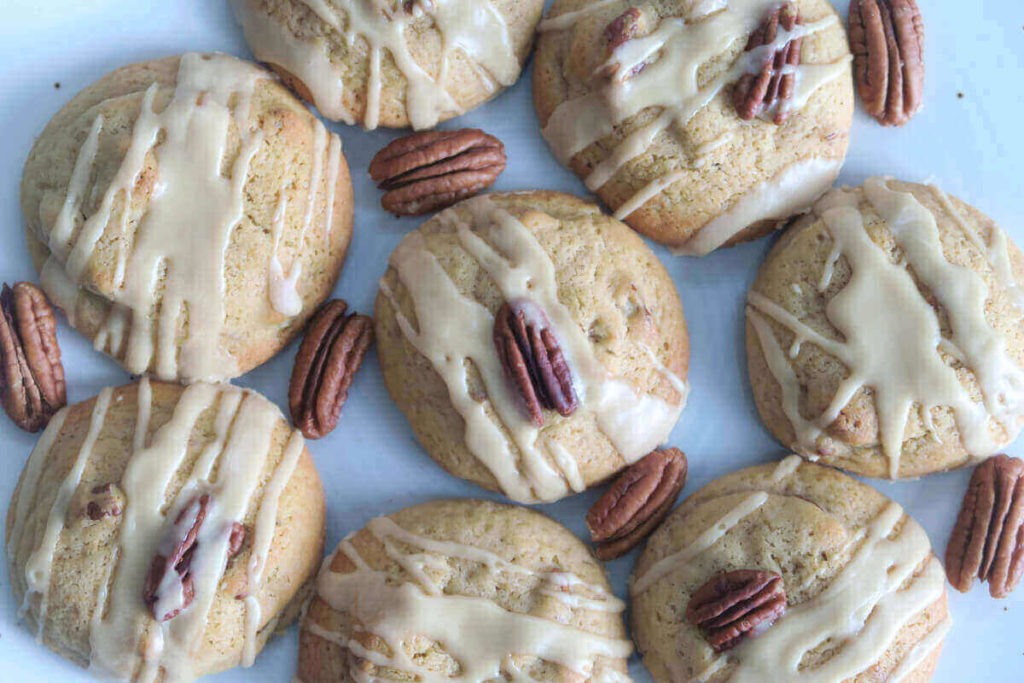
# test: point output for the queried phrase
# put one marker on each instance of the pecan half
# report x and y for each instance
(637, 502)
(988, 539)
(533, 360)
(105, 501)
(768, 89)
(169, 587)
(327, 362)
(736, 604)
(424, 172)
(32, 384)
(630, 24)
(887, 42)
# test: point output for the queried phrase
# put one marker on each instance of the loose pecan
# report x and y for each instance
(637, 502)
(768, 89)
(32, 384)
(105, 501)
(327, 362)
(887, 41)
(533, 360)
(736, 604)
(424, 172)
(988, 539)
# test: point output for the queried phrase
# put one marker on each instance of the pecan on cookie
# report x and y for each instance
(887, 42)
(533, 361)
(988, 539)
(768, 89)
(327, 362)
(424, 172)
(732, 605)
(32, 386)
(637, 502)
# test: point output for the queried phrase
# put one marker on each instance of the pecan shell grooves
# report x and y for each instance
(330, 355)
(737, 604)
(637, 502)
(773, 85)
(887, 42)
(533, 361)
(987, 541)
(424, 172)
(32, 386)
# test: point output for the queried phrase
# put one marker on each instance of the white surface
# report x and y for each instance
(972, 146)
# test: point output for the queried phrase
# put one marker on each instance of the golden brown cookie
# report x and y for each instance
(188, 214)
(167, 531)
(865, 597)
(884, 332)
(393, 63)
(701, 123)
(465, 588)
(536, 345)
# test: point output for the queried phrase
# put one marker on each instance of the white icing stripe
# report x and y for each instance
(681, 558)
(263, 534)
(865, 607)
(40, 563)
(785, 469)
(476, 632)
(63, 227)
(671, 82)
(568, 19)
(454, 329)
(475, 29)
(881, 308)
(193, 133)
(925, 647)
(791, 192)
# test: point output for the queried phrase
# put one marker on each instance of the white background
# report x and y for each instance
(968, 139)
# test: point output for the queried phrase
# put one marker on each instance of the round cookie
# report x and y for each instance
(465, 588)
(598, 291)
(866, 597)
(103, 508)
(188, 214)
(885, 333)
(637, 98)
(392, 63)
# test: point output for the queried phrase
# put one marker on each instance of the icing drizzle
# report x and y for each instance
(662, 69)
(454, 329)
(893, 342)
(229, 468)
(475, 29)
(479, 634)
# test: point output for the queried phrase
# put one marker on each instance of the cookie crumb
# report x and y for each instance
(56, 85)
(959, 95)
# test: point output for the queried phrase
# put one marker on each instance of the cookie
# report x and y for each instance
(188, 215)
(467, 589)
(865, 596)
(97, 525)
(536, 345)
(885, 333)
(646, 102)
(392, 63)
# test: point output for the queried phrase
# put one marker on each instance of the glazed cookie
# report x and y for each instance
(463, 589)
(187, 214)
(673, 112)
(164, 533)
(864, 596)
(536, 345)
(393, 63)
(885, 332)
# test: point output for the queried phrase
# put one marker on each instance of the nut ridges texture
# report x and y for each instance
(887, 42)
(637, 502)
(424, 172)
(32, 385)
(737, 604)
(533, 361)
(330, 355)
(772, 86)
(987, 541)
